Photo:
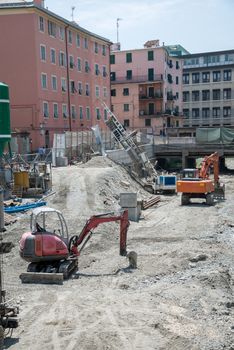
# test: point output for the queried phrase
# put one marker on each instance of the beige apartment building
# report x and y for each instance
(208, 89)
(146, 88)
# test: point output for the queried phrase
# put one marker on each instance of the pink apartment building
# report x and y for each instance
(56, 71)
(146, 88)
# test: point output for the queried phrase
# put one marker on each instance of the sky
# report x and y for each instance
(197, 25)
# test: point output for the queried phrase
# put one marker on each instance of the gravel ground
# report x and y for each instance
(179, 297)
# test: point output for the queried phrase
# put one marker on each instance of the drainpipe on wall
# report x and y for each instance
(68, 81)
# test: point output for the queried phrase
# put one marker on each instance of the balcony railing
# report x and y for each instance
(138, 79)
(147, 114)
(146, 97)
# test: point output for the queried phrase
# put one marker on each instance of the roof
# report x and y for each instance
(209, 53)
(15, 4)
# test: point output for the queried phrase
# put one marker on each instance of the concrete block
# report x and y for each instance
(61, 161)
(134, 213)
(128, 200)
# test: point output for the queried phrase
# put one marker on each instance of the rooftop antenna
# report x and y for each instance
(117, 25)
(72, 14)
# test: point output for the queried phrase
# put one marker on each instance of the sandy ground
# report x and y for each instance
(179, 297)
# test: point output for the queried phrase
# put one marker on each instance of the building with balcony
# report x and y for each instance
(146, 88)
(208, 89)
(56, 71)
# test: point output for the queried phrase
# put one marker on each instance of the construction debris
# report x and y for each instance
(150, 202)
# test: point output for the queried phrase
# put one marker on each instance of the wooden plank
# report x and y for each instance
(42, 277)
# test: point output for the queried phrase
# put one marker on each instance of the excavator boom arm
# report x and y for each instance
(208, 161)
(96, 220)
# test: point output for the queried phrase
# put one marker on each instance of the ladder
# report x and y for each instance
(127, 141)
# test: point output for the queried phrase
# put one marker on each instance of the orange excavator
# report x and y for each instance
(52, 254)
(196, 183)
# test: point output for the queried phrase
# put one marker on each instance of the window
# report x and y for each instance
(85, 43)
(61, 33)
(205, 95)
(112, 59)
(169, 78)
(227, 75)
(70, 37)
(186, 113)
(77, 40)
(216, 76)
(104, 73)
(112, 76)
(87, 113)
(216, 112)
(54, 82)
(195, 95)
(97, 91)
(98, 115)
(44, 81)
(113, 92)
(177, 65)
(186, 78)
(64, 109)
(205, 112)
(80, 89)
(129, 74)
(81, 112)
(45, 109)
(52, 29)
(96, 47)
(150, 55)
(97, 71)
(41, 24)
(177, 95)
(177, 80)
(63, 84)
(226, 111)
(216, 94)
(73, 86)
(79, 64)
(147, 122)
(55, 110)
(73, 112)
(43, 52)
(103, 50)
(126, 91)
(52, 56)
(71, 62)
(87, 66)
(227, 94)
(185, 96)
(87, 89)
(195, 112)
(129, 57)
(195, 78)
(126, 107)
(206, 77)
(126, 123)
(105, 114)
(150, 74)
(104, 92)
(62, 59)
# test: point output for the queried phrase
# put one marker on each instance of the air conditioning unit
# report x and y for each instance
(142, 112)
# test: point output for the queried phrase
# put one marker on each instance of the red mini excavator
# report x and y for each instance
(53, 256)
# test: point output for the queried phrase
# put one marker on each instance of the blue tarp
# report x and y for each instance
(23, 207)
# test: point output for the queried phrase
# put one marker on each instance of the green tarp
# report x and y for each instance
(215, 135)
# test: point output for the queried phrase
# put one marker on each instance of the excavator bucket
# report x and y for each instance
(219, 192)
(42, 277)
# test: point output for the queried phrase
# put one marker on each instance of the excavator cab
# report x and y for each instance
(188, 174)
(45, 220)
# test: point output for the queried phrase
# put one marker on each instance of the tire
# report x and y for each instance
(185, 199)
(210, 199)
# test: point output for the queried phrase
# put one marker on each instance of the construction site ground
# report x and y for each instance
(180, 296)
